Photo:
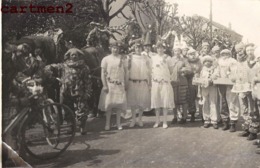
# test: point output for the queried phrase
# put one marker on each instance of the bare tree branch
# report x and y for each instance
(119, 10)
(124, 15)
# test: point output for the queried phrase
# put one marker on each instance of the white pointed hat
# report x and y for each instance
(177, 43)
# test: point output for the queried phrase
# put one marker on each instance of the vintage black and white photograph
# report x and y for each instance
(130, 83)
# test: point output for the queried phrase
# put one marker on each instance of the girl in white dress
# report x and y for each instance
(162, 97)
(138, 93)
(114, 78)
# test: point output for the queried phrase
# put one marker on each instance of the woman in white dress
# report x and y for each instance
(162, 97)
(138, 93)
(114, 78)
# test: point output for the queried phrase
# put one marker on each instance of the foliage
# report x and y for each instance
(75, 25)
(222, 39)
(194, 29)
(158, 11)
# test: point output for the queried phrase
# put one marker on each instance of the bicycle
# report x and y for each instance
(45, 128)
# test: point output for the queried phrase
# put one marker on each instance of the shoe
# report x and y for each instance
(257, 151)
(244, 134)
(140, 123)
(206, 125)
(182, 121)
(220, 121)
(120, 127)
(192, 118)
(107, 128)
(132, 124)
(156, 125)
(251, 136)
(225, 126)
(257, 142)
(215, 126)
(165, 126)
(174, 121)
(232, 128)
(202, 119)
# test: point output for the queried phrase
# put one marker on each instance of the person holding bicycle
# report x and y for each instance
(26, 66)
(76, 84)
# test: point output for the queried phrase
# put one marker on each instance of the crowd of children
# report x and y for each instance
(211, 82)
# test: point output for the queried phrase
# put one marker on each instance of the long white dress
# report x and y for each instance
(162, 93)
(115, 70)
(138, 93)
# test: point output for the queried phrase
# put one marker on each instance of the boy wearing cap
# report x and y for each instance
(204, 50)
(209, 92)
(242, 85)
(215, 53)
(229, 101)
(195, 67)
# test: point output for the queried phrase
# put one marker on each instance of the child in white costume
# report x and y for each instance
(241, 76)
(229, 111)
(162, 93)
(138, 93)
(114, 77)
(209, 92)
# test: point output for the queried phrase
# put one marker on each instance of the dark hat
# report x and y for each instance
(160, 44)
(73, 51)
(136, 42)
(115, 44)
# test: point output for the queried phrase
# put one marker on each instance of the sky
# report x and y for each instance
(244, 15)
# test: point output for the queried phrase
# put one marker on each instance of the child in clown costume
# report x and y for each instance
(209, 92)
(76, 85)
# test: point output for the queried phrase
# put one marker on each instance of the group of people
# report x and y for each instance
(211, 82)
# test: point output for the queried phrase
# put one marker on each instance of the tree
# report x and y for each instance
(194, 29)
(18, 25)
(158, 11)
(105, 6)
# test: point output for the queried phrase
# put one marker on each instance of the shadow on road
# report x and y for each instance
(74, 157)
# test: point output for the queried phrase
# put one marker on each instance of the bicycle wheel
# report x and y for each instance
(43, 139)
(52, 118)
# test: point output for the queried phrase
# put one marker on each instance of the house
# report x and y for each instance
(234, 36)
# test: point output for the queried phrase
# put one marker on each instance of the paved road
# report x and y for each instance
(179, 146)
